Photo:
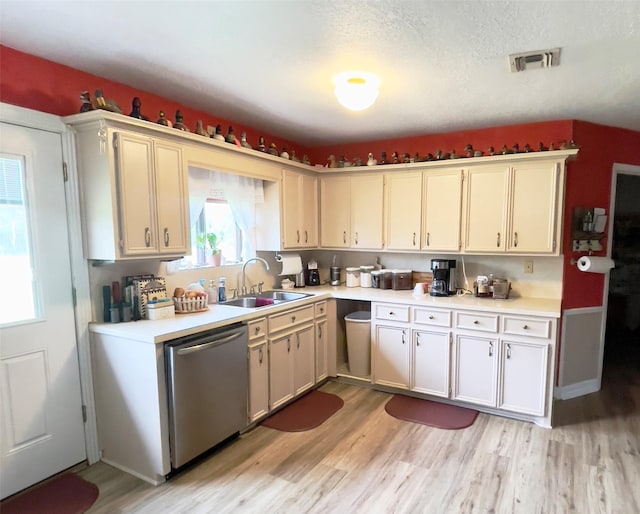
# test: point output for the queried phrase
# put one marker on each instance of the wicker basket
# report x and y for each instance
(186, 305)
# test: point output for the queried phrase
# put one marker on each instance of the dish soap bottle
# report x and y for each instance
(212, 292)
(222, 293)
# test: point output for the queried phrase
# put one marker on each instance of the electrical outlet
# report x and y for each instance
(528, 266)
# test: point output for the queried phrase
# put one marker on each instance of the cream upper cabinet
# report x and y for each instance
(335, 211)
(486, 213)
(134, 195)
(534, 208)
(299, 210)
(403, 210)
(442, 208)
(367, 197)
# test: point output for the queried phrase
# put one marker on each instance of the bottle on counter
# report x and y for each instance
(212, 292)
(222, 293)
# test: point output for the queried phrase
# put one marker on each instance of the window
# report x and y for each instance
(217, 221)
(16, 258)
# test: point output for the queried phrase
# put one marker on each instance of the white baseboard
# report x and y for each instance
(578, 389)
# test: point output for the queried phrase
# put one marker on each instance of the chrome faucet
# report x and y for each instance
(244, 286)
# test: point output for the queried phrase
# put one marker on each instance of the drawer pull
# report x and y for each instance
(525, 327)
(432, 317)
(257, 329)
(508, 351)
(476, 322)
(321, 310)
(391, 313)
(293, 319)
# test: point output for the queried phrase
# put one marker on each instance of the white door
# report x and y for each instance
(41, 428)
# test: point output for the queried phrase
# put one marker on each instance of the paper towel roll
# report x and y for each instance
(291, 263)
(595, 264)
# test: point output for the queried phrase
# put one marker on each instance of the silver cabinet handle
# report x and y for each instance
(288, 344)
(319, 331)
(260, 356)
(306, 237)
(508, 351)
(298, 341)
(356, 238)
(428, 238)
(166, 236)
(414, 239)
(418, 339)
(403, 334)
(498, 240)
(515, 239)
(344, 237)
(297, 236)
(147, 237)
(490, 349)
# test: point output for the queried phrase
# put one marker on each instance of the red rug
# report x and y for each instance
(308, 412)
(64, 494)
(435, 414)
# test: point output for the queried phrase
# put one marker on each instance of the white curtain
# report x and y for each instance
(242, 194)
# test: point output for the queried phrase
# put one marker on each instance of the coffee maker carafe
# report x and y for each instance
(444, 282)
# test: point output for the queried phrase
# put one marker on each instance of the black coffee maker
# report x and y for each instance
(444, 277)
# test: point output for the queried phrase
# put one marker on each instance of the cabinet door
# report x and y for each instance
(322, 363)
(485, 220)
(523, 376)
(258, 381)
(442, 207)
(534, 197)
(291, 210)
(431, 362)
(304, 359)
(280, 370)
(335, 212)
(134, 157)
(475, 370)
(403, 210)
(391, 356)
(309, 211)
(367, 196)
(172, 201)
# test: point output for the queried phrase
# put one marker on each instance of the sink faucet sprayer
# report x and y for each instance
(266, 265)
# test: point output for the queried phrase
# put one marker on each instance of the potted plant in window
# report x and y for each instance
(208, 244)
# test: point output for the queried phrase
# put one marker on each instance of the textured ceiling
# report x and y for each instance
(268, 64)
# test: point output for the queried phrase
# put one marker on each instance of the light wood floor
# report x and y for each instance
(363, 460)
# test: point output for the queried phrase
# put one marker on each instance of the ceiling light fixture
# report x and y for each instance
(356, 90)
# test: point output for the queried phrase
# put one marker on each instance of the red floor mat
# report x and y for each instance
(308, 412)
(435, 414)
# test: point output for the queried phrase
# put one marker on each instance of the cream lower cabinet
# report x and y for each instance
(322, 341)
(134, 195)
(258, 357)
(281, 387)
(390, 345)
(475, 364)
(430, 362)
(299, 210)
(304, 359)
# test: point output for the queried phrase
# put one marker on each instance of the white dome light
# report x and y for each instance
(356, 90)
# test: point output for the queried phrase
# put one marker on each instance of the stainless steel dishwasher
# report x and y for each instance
(207, 390)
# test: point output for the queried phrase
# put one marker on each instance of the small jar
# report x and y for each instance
(376, 278)
(386, 281)
(365, 276)
(353, 277)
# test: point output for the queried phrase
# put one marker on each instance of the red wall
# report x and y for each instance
(35, 83)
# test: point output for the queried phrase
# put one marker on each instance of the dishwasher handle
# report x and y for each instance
(210, 344)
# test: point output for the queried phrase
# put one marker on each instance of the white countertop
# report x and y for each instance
(160, 331)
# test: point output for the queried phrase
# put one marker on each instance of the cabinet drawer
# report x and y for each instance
(290, 318)
(391, 312)
(477, 321)
(257, 328)
(320, 309)
(530, 327)
(435, 317)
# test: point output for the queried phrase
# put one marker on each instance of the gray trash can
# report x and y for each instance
(358, 325)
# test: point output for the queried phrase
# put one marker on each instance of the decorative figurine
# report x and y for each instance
(551, 147)
(135, 109)
(231, 137)
(383, 158)
(162, 120)
(294, 157)
(406, 158)
(261, 146)
(178, 124)
(200, 130)
(429, 157)
(370, 160)
(107, 105)
(527, 148)
(453, 154)
(478, 153)
(416, 158)
(541, 147)
(284, 154)
(394, 158)
(341, 162)
(273, 149)
(305, 160)
(243, 140)
(468, 151)
(357, 162)
(218, 133)
(440, 156)
(515, 148)
(491, 151)
(86, 102)
(504, 150)
(571, 145)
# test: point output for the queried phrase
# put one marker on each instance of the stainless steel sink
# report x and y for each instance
(265, 299)
(285, 296)
(251, 302)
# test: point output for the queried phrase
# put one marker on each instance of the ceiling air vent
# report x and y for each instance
(534, 60)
